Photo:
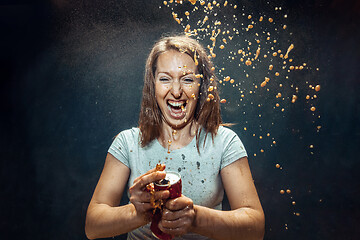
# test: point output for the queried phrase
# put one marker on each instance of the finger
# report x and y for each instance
(149, 178)
(163, 194)
(176, 228)
(174, 215)
(179, 203)
(145, 197)
(147, 173)
(166, 224)
(161, 168)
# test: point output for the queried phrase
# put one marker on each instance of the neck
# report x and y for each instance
(177, 138)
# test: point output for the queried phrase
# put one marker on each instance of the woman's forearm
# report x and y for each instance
(243, 223)
(103, 220)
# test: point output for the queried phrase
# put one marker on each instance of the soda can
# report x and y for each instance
(171, 182)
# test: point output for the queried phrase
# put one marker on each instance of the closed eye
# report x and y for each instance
(188, 80)
(164, 79)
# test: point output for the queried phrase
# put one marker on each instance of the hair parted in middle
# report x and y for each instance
(207, 112)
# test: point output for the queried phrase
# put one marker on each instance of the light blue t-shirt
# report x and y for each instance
(200, 173)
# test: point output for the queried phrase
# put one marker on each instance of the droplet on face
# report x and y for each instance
(223, 100)
(317, 88)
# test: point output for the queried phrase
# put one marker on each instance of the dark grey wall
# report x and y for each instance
(71, 79)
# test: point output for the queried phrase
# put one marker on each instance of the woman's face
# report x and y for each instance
(176, 87)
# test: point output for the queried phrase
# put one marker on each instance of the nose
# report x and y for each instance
(176, 89)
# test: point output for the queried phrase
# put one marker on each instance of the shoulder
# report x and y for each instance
(222, 136)
(129, 133)
(225, 132)
(130, 136)
(228, 138)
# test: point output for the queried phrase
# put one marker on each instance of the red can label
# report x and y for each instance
(171, 182)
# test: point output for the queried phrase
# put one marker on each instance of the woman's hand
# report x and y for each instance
(178, 216)
(140, 197)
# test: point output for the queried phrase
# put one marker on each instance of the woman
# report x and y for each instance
(179, 125)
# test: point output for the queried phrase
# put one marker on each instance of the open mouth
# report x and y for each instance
(176, 108)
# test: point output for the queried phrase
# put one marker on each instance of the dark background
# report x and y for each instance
(71, 79)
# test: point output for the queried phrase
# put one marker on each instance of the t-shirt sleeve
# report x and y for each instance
(119, 148)
(233, 149)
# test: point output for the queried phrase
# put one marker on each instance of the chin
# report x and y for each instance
(177, 124)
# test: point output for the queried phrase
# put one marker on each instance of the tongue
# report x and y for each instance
(176, 110)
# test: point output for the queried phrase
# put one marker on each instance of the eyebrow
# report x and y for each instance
(187, 73)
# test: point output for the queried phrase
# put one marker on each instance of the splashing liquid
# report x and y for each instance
(264, 72)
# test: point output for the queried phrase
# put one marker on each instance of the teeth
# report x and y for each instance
(176, 104)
